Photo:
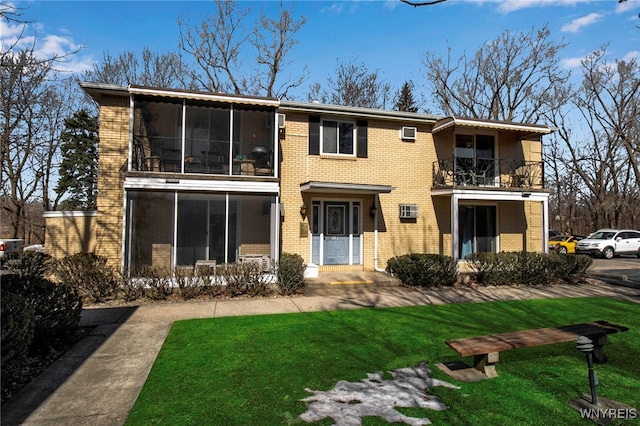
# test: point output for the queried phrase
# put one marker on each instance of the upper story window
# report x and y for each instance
(338, 137)
(202, 137)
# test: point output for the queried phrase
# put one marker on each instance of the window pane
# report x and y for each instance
(207, 139)
(157, 135)
(330, 137)
(346, 138)
(149, 229)
(253, 141)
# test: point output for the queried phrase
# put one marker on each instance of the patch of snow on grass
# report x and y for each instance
(348, 402)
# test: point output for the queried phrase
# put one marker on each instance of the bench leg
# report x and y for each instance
(485, 363)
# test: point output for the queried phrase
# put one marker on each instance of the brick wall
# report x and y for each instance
(407, 166)
(70, 232)
(114, 145)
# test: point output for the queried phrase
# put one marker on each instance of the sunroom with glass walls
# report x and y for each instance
(217, 138)
(170, 228)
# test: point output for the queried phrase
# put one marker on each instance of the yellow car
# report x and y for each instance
(563, 244)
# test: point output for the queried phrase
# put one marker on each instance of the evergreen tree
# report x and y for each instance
(79, 166)
(405, 100)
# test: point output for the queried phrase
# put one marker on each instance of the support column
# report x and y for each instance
(455, 243)
(545, 225)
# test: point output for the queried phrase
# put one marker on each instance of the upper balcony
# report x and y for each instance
(209, 138)
(485, 173)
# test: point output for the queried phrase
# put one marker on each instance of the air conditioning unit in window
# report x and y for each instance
(408, 211)
(408, 133)
(281, 120)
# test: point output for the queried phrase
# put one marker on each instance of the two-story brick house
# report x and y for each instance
(187, 176)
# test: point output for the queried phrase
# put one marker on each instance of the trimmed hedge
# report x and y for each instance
(425, 270)
(527, 268)
(290, 274)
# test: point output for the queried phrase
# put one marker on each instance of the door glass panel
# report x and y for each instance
(465, 231)
(191, 242)
(355, 220)
(315, 233)
(477, 230)
(485, 229)
(149, 230)
(485, 159)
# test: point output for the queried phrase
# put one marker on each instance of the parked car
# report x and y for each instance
(10, 245)
(610, 242)
(563, 243)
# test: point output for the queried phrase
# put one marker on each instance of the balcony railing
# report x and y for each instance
(484, 172)
(159, 155)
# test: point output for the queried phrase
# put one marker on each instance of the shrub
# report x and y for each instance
(31, 263)
(245, 279)
(56, 307)
(95, 280)
(189, 283)
(526, 268)
(427, 270)
(18, 325)
(290, 274)
(508, 268)
(153, 281)
(569, 268)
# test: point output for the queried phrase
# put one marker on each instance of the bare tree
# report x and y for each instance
(273, 40)
(601, 157)
(513, 77)
(353, 85)
(148, 69)
(32, 107)
(219, 44)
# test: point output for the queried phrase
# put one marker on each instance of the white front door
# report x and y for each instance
(336, 234)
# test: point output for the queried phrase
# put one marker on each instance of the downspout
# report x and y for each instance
(375, 239)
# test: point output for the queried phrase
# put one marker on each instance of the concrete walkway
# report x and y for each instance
(97, 381)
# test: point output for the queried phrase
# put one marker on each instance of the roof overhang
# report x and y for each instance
(527, 129)
(96, 90)
(344, 188)
(349, 111)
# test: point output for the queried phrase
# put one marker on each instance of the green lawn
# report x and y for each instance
(253, 370)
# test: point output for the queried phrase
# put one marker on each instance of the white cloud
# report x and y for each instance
(577, 24)
(507, 6)
(572, 62)
(634, 54)
(19, 36)
(333, 8)
(627, 6)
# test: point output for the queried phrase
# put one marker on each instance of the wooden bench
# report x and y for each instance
(486, 349)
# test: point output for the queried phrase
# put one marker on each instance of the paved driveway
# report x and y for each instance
(625, 270)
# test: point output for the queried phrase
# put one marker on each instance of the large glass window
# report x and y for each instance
(207, 138)
(208, 227)
(150, 217)
(253, 145)
(157, 139)
(338, 137)
(217, 138)
(475, 160)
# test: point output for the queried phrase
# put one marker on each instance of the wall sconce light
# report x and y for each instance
(372, 210)
(303, 211)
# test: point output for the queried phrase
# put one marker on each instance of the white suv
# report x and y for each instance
(610, 242)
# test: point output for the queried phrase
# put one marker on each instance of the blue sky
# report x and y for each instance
(387, 36)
